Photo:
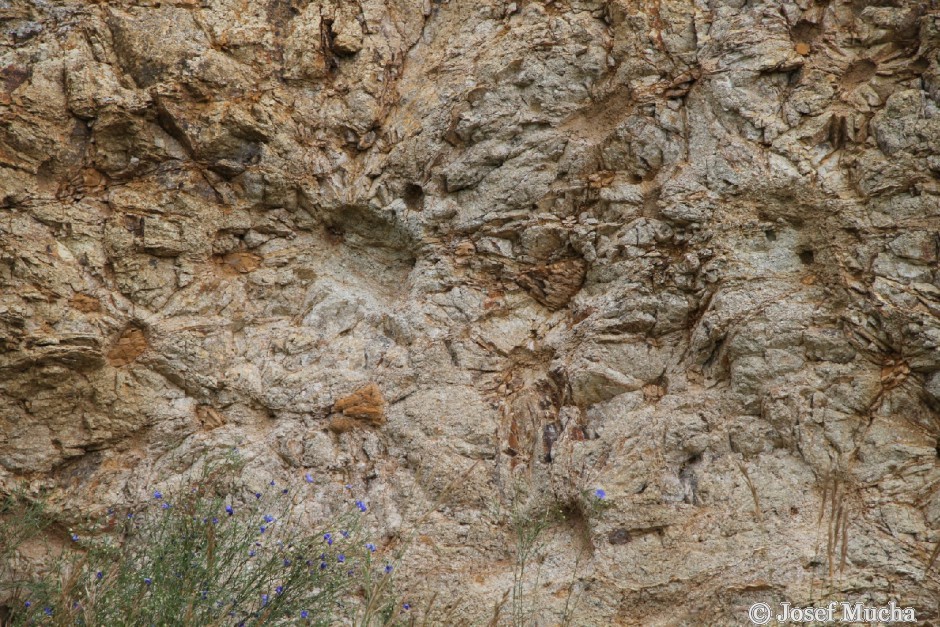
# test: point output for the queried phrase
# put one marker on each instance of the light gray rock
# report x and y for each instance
(685, 252)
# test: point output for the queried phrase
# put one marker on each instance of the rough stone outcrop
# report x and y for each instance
(684, 250)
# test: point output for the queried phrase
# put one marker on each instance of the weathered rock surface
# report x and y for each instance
(684, 250)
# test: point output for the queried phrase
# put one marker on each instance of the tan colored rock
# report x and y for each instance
(365, 404)
(129, 346)
(682, 251)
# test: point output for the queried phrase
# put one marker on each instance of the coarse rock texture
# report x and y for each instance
(480, 256)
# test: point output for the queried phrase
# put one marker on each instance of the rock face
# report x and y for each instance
(684, 250)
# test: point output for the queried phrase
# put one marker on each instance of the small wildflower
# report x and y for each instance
(268, 518)
(348, 487)
(28, 604)
(322, 565)
(599, 493)
(406, 606)
(229, 510)
(165, 505)
(148, 580)
(263, 528)
(74, 537)
(99, 575)
(204, 594)
(309, 479)
(272, 483)
(47, 611)
(388, 568)
(215, 521)
(340, 558)
(304, 613)
(344, 533)
(286, 562)
(279, 590)
(264, 600)
(158, 495)
(371, 547)
(329, 538)
(251, 553)
(362, 506)
(257, 495)
(130, 514)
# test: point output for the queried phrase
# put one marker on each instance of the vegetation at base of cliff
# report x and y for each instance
(212, 552)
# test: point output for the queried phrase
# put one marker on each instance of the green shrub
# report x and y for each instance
(210, 553)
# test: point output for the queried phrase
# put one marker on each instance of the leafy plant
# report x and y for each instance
(210, 553)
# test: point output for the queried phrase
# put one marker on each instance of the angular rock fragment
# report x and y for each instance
(554, 284)
(365, 406)
(130, 345)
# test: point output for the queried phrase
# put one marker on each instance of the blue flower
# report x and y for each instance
(304, 613)
(130, 515)
(370, 546)
(406, 606)
(279, 590)
(309, 479)
(329, 538)
(251, 553)
(344, 533)
(148, 580)
(165, 505)
(204, 594)
(272, 483)
(74, 538)
(47, 611)
(264, 600)
(340, 558)
(229, 510)
(600, 494)
(263, 528)
(268, 518)
(215, 521)
(322, 565)
(388, 568)
(284, 491)
(99, 575)
(257, 495)
(362, 506)
(286, 562)
(28, 603)
(158, 495)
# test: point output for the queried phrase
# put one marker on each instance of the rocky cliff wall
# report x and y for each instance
(683, 250)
